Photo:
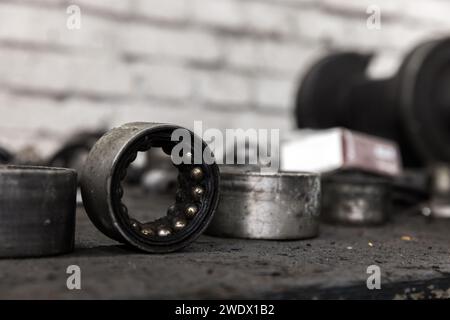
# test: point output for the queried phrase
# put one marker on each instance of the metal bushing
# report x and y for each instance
(272, 206)
(37, 211)
(411, 108)
(101, 186)
(355, 199)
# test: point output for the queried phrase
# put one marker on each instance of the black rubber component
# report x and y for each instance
(411, 108)
(74, 150)
(101, 186)
(5, 156)
(37, 211)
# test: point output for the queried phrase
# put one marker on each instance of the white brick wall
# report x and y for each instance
(231, 63)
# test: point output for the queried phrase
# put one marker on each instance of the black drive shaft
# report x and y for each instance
(411, 108)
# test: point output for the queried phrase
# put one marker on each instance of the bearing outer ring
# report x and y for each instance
(101, 189)
(37, 211)
(353, 200)
(270, 206)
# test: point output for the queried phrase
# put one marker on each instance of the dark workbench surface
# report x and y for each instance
(412, 252)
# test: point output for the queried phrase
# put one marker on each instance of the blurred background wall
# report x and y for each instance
(230, 63)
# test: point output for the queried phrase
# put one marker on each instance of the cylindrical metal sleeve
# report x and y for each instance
(106, 167)
(277, 206)
(37, 211)
(355, 200)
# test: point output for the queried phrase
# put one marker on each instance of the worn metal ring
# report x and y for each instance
(37, 211)
(272, 206)
(359, 199)
(102, 191)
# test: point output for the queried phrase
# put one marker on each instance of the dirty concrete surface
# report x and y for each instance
(412, 252)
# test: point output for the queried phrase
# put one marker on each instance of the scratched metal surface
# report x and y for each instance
(413, 254)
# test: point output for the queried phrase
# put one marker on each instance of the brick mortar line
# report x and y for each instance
(261, 111)
(57, 97)
(286, 3)
(60, 96)
(185, 63)
(148, 60)
(213, 107)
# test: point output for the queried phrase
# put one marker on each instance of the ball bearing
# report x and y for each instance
(197, 192)
(179, 224)
(106, 167)
(191, 211)
(164, 232)
(197, 173)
